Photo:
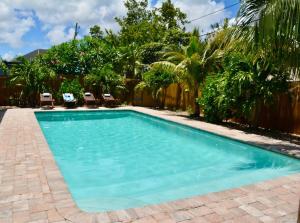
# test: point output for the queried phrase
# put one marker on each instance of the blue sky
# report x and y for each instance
(26, 25)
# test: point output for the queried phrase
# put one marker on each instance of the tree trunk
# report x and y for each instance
(164, 95)
(197, 107)
(34, 100)
(160, 99)
(178, 96)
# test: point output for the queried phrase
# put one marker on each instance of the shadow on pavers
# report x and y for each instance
(2, 113)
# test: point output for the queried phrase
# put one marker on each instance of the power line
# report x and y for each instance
(206, 34)
(209, 33)
(227, 7)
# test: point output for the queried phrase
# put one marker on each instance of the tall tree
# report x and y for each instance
(172, 21)
(171, 16)
(96, 32)
(135, 31)
(142, 26)
(135, 26)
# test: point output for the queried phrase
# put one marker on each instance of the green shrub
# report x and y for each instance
(235, 92)
(72, 86)
(214, 107)
(105, 80)
(157, 79)
(3, 67)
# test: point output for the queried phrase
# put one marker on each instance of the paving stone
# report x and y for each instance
(266, 219)
(182, 215)
(146, 220)
(214, 218)
(32, 188)
(252, 211)
(161, 216)
(103, 218)
(201, 211)
(53, 216)
(21, 217)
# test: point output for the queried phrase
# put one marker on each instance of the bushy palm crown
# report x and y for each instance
(188, 61)
(32, 76)
(194, 61)
(273, 25)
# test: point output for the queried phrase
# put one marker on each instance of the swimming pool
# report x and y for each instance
(114, 160)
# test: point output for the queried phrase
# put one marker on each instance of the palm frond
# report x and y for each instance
(174, 56)
(141, 86)
(273, 25)
(166, 64)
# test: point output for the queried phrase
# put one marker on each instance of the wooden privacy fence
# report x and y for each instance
(176, 97)
(7, 93)
(283, 114)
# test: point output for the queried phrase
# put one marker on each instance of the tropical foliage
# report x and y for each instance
(105, 80)
(32, 77)
(188, 65)
(3, 66)
(193, 62)
(71, 86)
(233, 68)
(273, 25)
(234, 92)
(157, 79)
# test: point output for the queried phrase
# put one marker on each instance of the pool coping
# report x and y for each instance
(272, 194)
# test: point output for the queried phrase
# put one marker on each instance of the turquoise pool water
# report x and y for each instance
(114, 160)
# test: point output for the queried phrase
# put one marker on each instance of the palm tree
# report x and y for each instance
(157, 79)
(194, 61)
(32, 77)
(273, 25)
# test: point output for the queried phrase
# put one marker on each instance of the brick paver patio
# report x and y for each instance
(32, 188)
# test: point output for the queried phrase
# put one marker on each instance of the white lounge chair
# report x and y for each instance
(69, 99)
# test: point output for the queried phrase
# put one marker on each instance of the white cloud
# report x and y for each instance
(58, 17)
(8, 56)
(13, 25)
(59, 34)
